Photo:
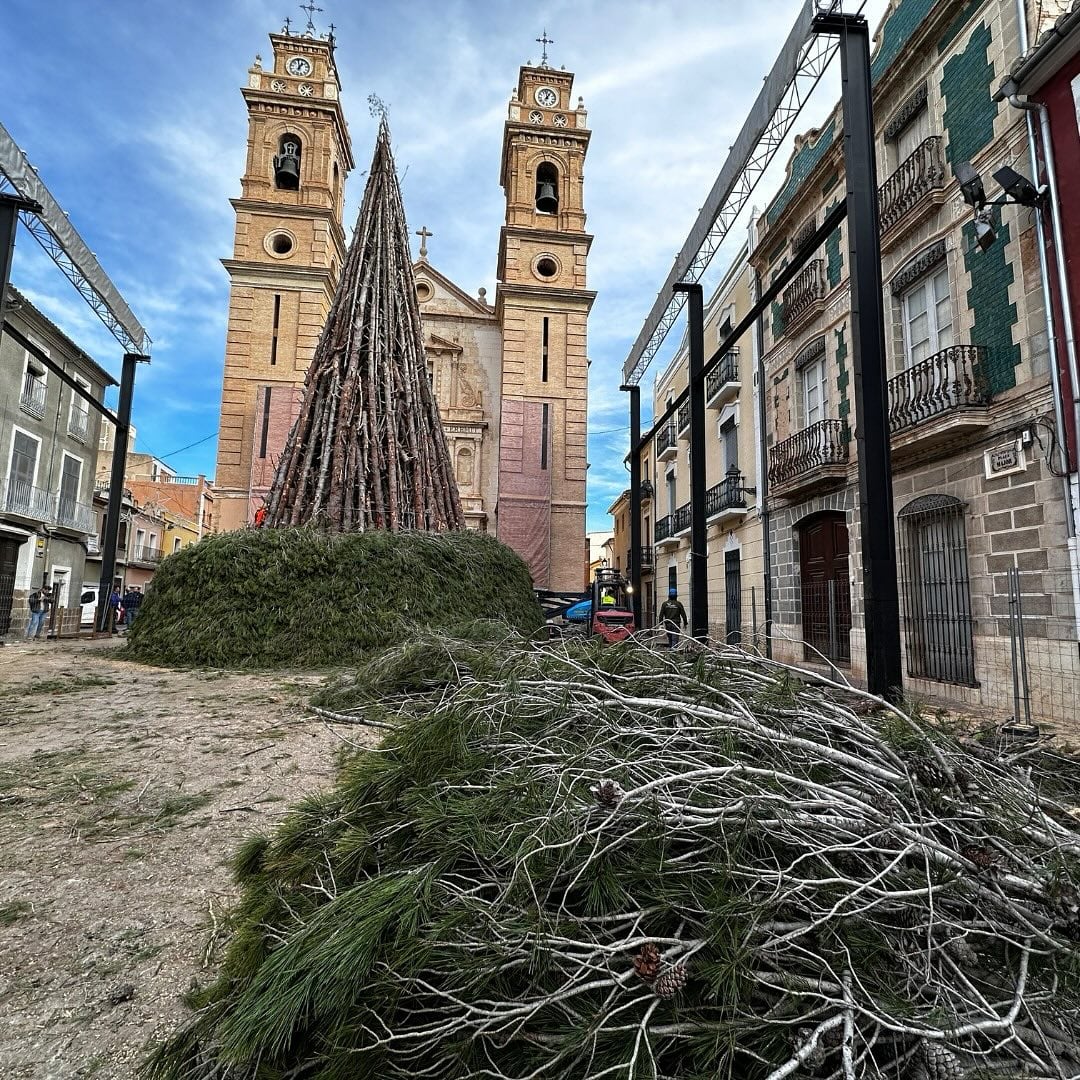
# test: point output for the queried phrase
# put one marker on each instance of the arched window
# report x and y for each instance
(287, 163)
(547, 188)
(937, 590)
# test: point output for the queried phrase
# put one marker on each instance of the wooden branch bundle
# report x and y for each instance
(367, 450)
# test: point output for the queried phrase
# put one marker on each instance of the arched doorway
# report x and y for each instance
(826, 593)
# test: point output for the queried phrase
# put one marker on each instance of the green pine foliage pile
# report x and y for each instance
(266, 597)
(574, 862)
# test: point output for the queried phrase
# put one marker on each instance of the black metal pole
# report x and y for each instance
(10, 205)
(634, 568)
(763, 479)
(699, 561)
(881, 603)
(116, 488)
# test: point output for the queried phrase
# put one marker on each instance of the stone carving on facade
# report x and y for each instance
(915, 268)
(906, 112)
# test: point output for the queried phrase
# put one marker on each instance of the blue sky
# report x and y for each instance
(131, 112)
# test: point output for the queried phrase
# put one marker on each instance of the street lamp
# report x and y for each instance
(1018, 189)
(971, 185)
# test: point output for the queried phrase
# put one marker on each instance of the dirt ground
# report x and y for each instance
(124, 789)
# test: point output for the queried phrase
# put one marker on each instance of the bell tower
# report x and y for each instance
(543, 305)
(288, 251)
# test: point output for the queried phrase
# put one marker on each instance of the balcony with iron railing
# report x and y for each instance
(667, 444)
(78, 424)
(32, 398)
(722, 383)
(648, 559)
(663, 533)
(23, 500)
(813, 458)
(918, 182)
(938, 400)
(680, 520)
(684, 419)
(146, 554)
(725, 502)
(75, 516)
(805, 296)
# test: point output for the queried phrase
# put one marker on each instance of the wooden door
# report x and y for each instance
(826, 597)
(9, 558)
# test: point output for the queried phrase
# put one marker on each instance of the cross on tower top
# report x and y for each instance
(544, 41)
(310, 8)
(423, 233)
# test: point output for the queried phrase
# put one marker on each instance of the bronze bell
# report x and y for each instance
(287, 170)
(546, 202)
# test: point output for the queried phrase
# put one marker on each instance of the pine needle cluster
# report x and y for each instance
(266, 597)
(574, 862)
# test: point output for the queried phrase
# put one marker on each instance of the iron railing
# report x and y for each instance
(145, 553)
(680, 520)
(952, 379)
(938, 625)
(24, 500)
(727, 495)
(684, 416)
(826, 620)
(665, 438)
(72, 514)
(822, 443)
(78, 424)
(802, 293)
(32, 399)
(648, 558)
(662, 530)
(727, 371)
(918, 174)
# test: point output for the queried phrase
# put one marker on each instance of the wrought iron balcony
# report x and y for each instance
(145, 553)
(662, 530)
(722, 383)
(815, 456)
(666, 442)
(74, 515)
(680, 520)
(648, 558)
(684, 417)
(943, 396)
(805, 293)
(915, 177)
(32, 399)
(726, 499)
(26, 501)
(78, 424)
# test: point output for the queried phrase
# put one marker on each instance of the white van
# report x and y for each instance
(88, 599)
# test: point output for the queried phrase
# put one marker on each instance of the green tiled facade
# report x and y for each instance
(903, 22)
(834, 264)
(970, 110)
(952, 31)
(843, 409)
(991, 275)
(802, 164)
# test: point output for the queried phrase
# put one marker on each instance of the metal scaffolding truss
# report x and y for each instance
(797, 71)
(55, 233)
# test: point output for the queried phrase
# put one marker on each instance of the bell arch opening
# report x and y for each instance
(287, 163)
(547, 188)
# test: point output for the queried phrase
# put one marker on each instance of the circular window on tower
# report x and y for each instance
(280, 243)
(423, 291)
(545, 266)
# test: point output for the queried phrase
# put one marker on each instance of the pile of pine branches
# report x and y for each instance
(303, 597)
(572, 862)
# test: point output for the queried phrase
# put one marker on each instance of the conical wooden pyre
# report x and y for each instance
(367, 450)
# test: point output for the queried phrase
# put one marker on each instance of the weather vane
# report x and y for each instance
(310, 8)
(544, 41)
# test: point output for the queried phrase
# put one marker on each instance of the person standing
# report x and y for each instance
(673, 617)
(115, 609)
(132, 599)
(40, 601)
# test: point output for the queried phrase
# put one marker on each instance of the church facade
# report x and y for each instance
(510, 378)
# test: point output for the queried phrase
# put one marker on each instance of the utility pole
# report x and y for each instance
(881, 604)
(116, 487)
(699, 562)
(635, 499)
(10, 205)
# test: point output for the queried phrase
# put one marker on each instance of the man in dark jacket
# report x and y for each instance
(39, 602)
(673, 617)
(133, 598)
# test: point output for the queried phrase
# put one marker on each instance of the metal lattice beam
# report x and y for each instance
(798, 69)
(55, 233)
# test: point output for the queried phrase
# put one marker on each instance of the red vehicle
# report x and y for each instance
(612, 610)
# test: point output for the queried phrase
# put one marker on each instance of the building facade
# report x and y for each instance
(49, 435)
(977, 489)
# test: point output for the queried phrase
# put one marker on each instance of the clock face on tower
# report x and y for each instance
(298, 65)
(547, 97)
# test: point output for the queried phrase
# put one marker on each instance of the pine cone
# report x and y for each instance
(941, 1063)
(961, 952)
(647, 962)
(671, 982)
(816, 1057)
(929, 773)
(981, 856)
(608, 793)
